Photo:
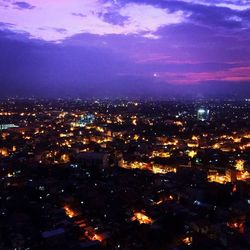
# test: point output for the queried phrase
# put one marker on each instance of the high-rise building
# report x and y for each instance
(203, 114)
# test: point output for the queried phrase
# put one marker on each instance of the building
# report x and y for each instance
(203, 114)
(7, 126)
(84, 120)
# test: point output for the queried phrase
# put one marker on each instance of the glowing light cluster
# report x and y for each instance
(70, 212)
(214, 176)
(159, 169)
(142, 218)
(240, 165)
(161, 154)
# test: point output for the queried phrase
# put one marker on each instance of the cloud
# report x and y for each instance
(214, 13)
(6, 25)
(89, 16)
(238, 5)
(23, 5)
(108, 43)
(108, 17)
(234, 74)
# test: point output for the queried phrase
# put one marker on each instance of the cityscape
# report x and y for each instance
(101, 174)
(124, 125)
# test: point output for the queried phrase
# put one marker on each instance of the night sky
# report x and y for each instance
(118, 48)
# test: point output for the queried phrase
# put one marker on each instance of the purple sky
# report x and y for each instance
(118, 47)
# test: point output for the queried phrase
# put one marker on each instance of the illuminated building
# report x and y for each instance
(70, 212)
(161, 169)
(231, 175)
(239, 165)
(4, 152)
(192, 153)
(7, 126)
(142, 218)
(214, 176)
(84, 120)
(203, 114)
(161, 154)
(187, 240)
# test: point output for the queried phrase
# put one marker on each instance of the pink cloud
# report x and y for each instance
(237, 74)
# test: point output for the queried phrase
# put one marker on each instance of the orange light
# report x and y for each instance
(187, 240)
(97, 237)
(239, 226)
(69, 212)
(240, 165)
(4, 152)
(192, 154)
(141, 218)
